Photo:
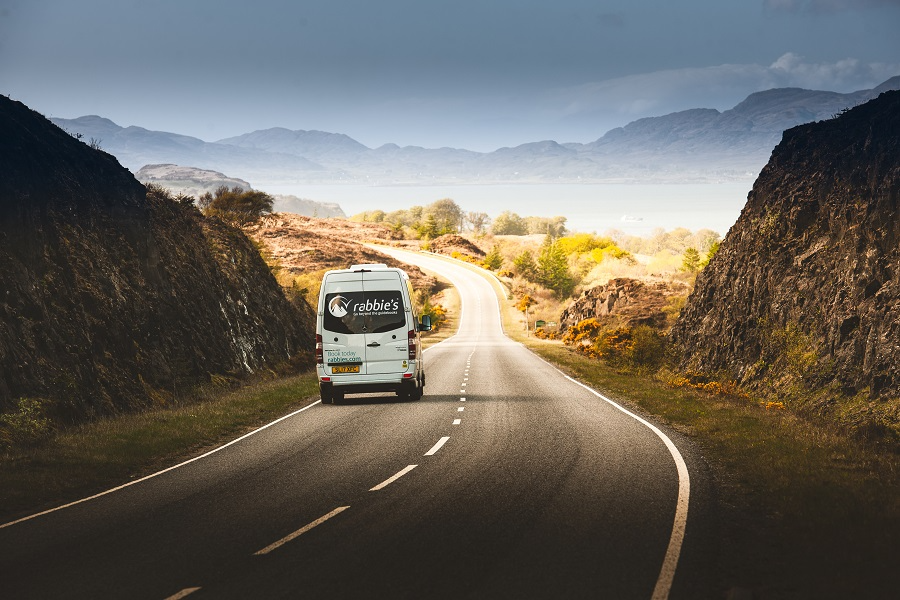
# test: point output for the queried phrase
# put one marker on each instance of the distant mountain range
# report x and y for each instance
(698, 145)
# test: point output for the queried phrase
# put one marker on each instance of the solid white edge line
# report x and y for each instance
(152, 475)
(393, 478)
(670, 562)
(437, 446)
(301, 531)
(183, 593)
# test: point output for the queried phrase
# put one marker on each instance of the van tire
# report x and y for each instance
(326, 393)
(337, 397)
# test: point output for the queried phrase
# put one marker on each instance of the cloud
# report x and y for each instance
(823, 6)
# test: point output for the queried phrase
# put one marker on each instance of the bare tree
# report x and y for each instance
(478, 221)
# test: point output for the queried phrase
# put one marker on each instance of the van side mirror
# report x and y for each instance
(425, 325)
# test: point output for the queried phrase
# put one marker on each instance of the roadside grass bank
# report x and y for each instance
(448, 298)
(804, 511)
(97, 456)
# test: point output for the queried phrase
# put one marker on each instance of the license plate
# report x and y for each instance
(347, 369)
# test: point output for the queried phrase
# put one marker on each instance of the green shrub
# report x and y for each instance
(236, 205)
(28, 426)
(493, 260)
(647, 349)
(641, 348)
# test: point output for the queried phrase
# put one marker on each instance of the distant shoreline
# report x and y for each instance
(589, 207)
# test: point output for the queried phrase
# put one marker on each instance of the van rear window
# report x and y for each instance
(364, 312)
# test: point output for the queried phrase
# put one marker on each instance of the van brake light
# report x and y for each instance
(412, 344)
(320, 354)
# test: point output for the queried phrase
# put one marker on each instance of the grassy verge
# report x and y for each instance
(96, 456)
(804, 511)
(449, 299)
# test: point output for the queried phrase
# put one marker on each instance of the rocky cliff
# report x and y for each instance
(804, 292)
(625, 301)
(113, 298)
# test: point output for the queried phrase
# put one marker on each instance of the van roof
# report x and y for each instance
(369, 268)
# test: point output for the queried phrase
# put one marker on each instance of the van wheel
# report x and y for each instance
(337, 397)
(326, 393)
(407, 391)
(419, 391)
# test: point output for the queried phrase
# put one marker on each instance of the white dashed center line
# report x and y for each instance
(460, 409)
(183, 593)
(394, 478)
(457, 421)
(301, 531)
(437, 446)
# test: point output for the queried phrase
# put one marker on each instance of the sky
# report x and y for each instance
(475, 74)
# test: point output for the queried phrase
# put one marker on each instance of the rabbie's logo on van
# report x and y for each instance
(377, 306)
(363, 312)
(338, 306)
(369, 304)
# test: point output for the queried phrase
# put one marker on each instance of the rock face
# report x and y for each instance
(112, 299)
(806, 285)
(625, 301)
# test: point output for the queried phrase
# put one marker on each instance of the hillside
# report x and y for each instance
(803, 295)
(192, 181)
(189, 181)
(304, 247)
(699, 145)
(116, 299)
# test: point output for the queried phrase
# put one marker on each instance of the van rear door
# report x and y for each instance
(343, 329)
(387, 344)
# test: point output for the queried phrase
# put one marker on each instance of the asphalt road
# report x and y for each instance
(507, 480)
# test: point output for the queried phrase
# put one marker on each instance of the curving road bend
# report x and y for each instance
(507, 480)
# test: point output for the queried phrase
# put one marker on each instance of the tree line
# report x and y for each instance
(445, 216)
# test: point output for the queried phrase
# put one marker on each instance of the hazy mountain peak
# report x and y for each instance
(891, 84)
(96, 121)
(307, 143)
